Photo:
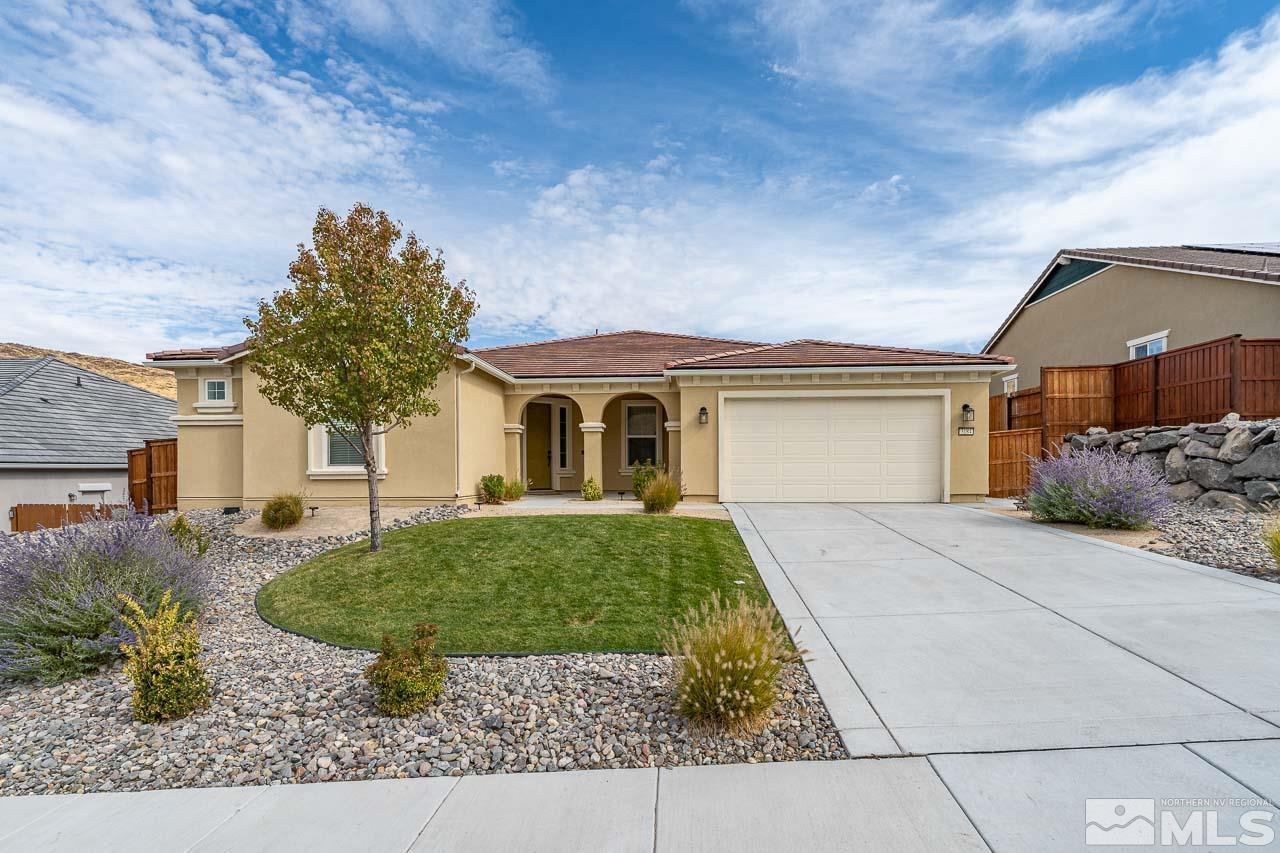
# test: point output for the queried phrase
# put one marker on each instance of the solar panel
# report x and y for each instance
(1242, 248)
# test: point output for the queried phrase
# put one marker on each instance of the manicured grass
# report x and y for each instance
(555, 583)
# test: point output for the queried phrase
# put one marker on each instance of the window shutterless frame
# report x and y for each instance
(628, 434)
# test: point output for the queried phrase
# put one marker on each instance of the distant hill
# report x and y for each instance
(147, 378)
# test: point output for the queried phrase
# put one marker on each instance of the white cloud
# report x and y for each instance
(476, 36)
(891, 190)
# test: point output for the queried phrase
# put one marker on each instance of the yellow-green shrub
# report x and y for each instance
(591, 490)
(513, 489)
(642, 473)
(408, 678)
(492, 488)
(163, 661)
(191, 538)
(728, 657)
(662, 492)
(1271, 538)
(283, 510)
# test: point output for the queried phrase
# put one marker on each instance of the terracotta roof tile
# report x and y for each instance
(213, 353)
(814, 353)
(630, 353)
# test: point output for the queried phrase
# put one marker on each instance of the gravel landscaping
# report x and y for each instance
(289, 709)
(1223, 538)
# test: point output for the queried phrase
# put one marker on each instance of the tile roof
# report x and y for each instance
(630, 353)
(1248, 260)
(54, 413)
(199, 353)
(814, 353)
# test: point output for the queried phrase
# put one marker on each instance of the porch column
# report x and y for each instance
(673, 446)
(515, 459)
(593, 451)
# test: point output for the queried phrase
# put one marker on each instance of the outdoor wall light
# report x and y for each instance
(966, 412)
(702, 415)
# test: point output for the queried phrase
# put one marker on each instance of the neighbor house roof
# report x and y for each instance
(630, 353)
(813, 353)
(219, 353)
(1248, 261)
(56, 414)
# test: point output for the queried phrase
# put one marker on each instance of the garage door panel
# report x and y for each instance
(833, 448)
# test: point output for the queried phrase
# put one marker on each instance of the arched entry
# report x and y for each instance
(552, 450)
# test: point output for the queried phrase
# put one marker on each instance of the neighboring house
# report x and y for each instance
(65, 432)
(1102, 306)
(803, 420)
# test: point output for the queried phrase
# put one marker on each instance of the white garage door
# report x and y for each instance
(833, 449)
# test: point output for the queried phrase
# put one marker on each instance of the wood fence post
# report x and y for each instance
(1155, 391)
(1237, 371)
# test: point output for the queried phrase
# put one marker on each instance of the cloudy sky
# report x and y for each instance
(884, 171)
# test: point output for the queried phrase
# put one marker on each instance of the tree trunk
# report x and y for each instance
(371, 469)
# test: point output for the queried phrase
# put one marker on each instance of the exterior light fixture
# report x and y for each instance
(966, 412)
(702, 415)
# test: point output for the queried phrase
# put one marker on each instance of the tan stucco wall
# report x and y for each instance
(615, 478)
(210, 466)
(1091, 322)
(189, 379)
(483, 447)
(699, 443)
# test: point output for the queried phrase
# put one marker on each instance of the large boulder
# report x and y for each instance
(1195, 447)
(1213, 475)
(1175, 466)
(1262, 464)
(1262, 491)
(1159, 441)
(1186, 491)
(1263, 436)
(1225, 500)
(1236, 446)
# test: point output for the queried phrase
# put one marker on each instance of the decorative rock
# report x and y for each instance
(1196, 447)
(1209, 438)
(1213, 475)
(1175, 466)
(1129, 447)
(1236, 446)
(1158, 441)
(1225, 500)
(1097, 430)
(1263, 463)
(1186, 491)
(1262, 491)
(1263, 436)
(1217, 429)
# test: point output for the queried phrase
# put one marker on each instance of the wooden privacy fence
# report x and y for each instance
(25, 518)
(153, 476)
(1011, 455)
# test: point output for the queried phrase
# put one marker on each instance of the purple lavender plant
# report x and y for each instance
(59, 592)
(1100, 488)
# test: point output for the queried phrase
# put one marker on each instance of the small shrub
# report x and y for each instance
(1271, 538)
(192, 538)
(662, 493)
(408, 678)
(163, 661)
(728, 657)
(513, 489)
(641, 475)
(284, 510)
(492, 488)
(591, 490)
(60, 612)
(1100, 488)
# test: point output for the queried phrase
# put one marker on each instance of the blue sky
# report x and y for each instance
(885, 171)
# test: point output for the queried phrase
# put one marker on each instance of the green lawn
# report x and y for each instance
(555, 583)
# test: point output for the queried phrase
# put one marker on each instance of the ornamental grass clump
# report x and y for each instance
(283, 510)
(60, 611)
(163, 661)
(190, 537)
(662, 492)
(728, 657)
(642, 475)
(408, 678)
(1099, 488)
(1271, 538)
(513, 489)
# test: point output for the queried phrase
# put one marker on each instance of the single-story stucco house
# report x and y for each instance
(66, 432)
(798, 421)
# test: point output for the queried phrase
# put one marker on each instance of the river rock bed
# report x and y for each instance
(1222, 538)
(288, 709)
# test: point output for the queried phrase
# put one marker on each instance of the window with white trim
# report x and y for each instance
(563, 451)
(1148, 345)
(342, 448)
(1011, 384)
(642, 442)
(215, 390)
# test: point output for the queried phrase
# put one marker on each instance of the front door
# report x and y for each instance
(537, 437)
